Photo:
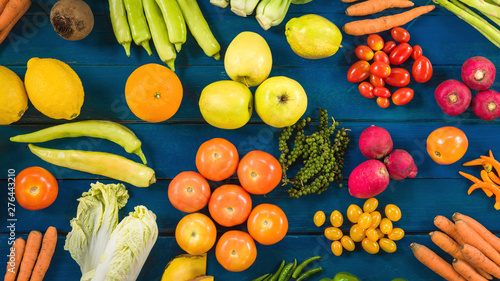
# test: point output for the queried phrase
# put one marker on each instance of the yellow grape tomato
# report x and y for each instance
(370, 205)
(372, 234)
(387, 245)
(319, 218)
(386, 226)
(392, 212)
(347, 243)
(336, 219)
(365, 220)
(353, 213)
(371, 247)
(376, 218)
(337, 248)
(357, 233)
(333, 233)
(380, 234)
(396, 234)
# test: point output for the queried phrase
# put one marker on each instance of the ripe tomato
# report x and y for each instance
(417, 52)
(422, 69)
(267, 224)
(447, 145)
(358, 72)
(189, 192)
(375, 42)
(402, 96)
(382, 92)
(236, 250)
(366, 90)
(259, 172)
(388, 47)
(383, 102)
(195, 233)
(217, 159)
(400, 35)
(230, 205)
(380, 69)
(381, 57)
(35, 188)
(399, 77)
(376, 81)
(400, 54)
(363, 52)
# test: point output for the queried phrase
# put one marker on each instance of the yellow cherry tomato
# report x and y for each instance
(376, 217)
(386, 226)
(392, 212)
(357, 233)
(319, 218)
(337, 248)
(380, 234)
(371, 247)
(396, 234)
(333, 233)
(387, 245)
(372, 234)
(347, 243)
(353, 213)
(336, 219)
(365, 220)
(370, 205)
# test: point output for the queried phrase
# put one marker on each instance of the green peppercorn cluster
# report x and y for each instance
(322, 158)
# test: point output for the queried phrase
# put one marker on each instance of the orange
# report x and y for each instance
(153, 92)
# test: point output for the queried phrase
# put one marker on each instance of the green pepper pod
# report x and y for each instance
(287, 271)
(176, 25)
(138, 24)
(109, 130)
(120, 24)
(309, 273)
(276, 275)
(159, 32)
(263, 277)
(301, 266)
(99, 163)
(199, 28)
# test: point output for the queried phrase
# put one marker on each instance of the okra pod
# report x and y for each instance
(138, 24)
(120, 24)
(174, 20)
(99, 163)
(199, 28)
(108, 130)
(159, 32)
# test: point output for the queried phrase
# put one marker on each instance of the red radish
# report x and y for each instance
(368, 179)
(413, 172)
(375, 142)
(486, 105)
(478, 73)
(453, 97)
(399, 164)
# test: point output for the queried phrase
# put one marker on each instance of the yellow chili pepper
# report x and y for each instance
(490, 186)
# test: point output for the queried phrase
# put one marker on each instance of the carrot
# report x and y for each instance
(11, 11)
(489, 237)
(434, 262)
(474, 239)
(5, 31)
(467, 272)
(449, 228)
(46, 252)
(3, 3)
(30, 254)
(472, 178)
(476, 258)
(373, 6)
(18, 247)
(475, 162)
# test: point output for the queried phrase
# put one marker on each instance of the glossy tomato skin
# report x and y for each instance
(189, 192)
(417, 52)
(196, 233)
(35, 188)
(236, 250)
(382, 92)
(230, 205)
(402, 96)
(380, 69)
(358, 72)
(447, 145)
(400, 54)
(389, 46)
(217, 159)
(422, 69)
(376, 81)
(366, 90)
(400, 35)
(375, 42)
(399, 77)
(381, 57)
(383, 102)
(259, 172)
(267, 224)
(364, 52)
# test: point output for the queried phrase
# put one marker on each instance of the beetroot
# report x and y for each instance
(375, 142)
(399, 164)
(486, 105)
(453, 97)
(368, 179)
(478, 73)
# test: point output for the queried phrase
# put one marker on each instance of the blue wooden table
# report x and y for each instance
(171, 146)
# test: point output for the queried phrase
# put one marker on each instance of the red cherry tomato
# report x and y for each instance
(189, 192)
(383, 102)
(381, 57)
(422, 69)
(400, 54)
(230, 205)
(364, 52)
(402, 96)
(259, 172)
(388, 47)
(382, 92)
(380, 69)
(358, 72)
(366, 90)
(375, 42)
(400, 35)
(417, 52)
(399, 77)
(376, 81)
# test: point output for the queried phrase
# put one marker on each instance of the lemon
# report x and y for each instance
(13, 98)
(54, 88)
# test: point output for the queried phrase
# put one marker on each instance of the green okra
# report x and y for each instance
(120, 25)
(138, 24)
(174, 20)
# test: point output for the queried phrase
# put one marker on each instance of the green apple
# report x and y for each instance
(248, 59)
(280, 101)
(226, 104)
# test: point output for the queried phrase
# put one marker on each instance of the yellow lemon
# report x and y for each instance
(13, 98)
(54, 88)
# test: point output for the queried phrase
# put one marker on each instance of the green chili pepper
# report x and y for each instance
(301, 266)
(287, 271)
(99, 163)
(111, 131)
(138, 24)
(175, 22)
(165, 49)
(120, 24)
(309, 273)
(199, 28)
(269, 278)
(263, 277)
(277, 273)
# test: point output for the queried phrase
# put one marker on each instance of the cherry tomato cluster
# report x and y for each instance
(385, 68)
(229, 204)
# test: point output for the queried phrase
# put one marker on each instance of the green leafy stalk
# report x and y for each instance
(492, 18)
(220, 3)
(484, 7)
(243, 7)
(271, 12)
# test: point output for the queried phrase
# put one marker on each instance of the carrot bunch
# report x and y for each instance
(475, 250)
(11, 12)
(31, 259)
(489, 182)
